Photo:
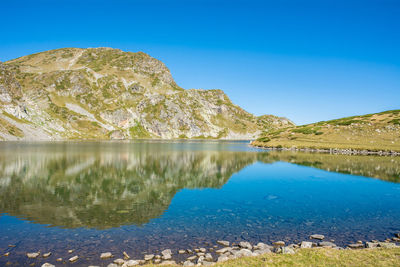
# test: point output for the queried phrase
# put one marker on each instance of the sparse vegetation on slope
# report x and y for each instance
(374, 132)
(101, 93)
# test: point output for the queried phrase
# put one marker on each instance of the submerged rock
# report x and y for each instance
(33, 255)
(46, 255)
(74, 258)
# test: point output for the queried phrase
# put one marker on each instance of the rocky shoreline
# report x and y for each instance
(221, 251)
(336, 151)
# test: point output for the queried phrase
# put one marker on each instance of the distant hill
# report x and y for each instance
(376, 132)
(104, 93)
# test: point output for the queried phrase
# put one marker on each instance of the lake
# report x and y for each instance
(145, 196)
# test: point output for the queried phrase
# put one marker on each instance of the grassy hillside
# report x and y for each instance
(104, 93)
(376, 132)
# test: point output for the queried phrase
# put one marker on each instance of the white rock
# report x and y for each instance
(306, 244)
(131, 263)
(317, 236)
(48, 265)
(33, 255)
(106, 255)
(119, 261)
(74, 258)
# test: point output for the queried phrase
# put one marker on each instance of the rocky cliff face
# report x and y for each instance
(104, 93)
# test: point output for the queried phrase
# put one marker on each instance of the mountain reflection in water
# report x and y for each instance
(104, 185)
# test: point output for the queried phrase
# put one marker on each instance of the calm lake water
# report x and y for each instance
(143, 197)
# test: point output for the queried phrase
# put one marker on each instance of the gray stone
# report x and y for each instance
(387, 245)
(148, 257)
(326, 244)
(222, 258)
(208, 257)
(223, 243)
(262, 251)
(223, 250)
(317, 236)
(105, 255)
(112, 265)
(202, 250)
(166, 257)
(261, 246)
(200, 254)
(207, 263)
(371, 244)
(188, 263)
(48, 265)
(156, 261)
(192, 258)
(287, 250)
(306, 244)
(131, 263)
(356, 246)
(166, 252)
(181, 251)
(245, 245)
(244, 252)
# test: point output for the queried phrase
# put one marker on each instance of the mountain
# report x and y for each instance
(371, 132)
(104, 93)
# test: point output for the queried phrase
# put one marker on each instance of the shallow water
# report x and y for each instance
(143, 197)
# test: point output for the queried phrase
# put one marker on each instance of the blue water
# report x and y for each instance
(142, 197)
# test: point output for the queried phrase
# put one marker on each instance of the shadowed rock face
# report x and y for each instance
(100, 186)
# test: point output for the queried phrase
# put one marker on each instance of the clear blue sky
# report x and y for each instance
(306, 60)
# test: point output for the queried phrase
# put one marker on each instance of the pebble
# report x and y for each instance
(74, 258)
(46, 255)
(6, 254)
(223, 243)
(33, 255)
(317, 236)
(181, 251)
(148, 257)
(48, 265)
(59, 259)
(70, 251)
(126, 256)
(106, 255)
